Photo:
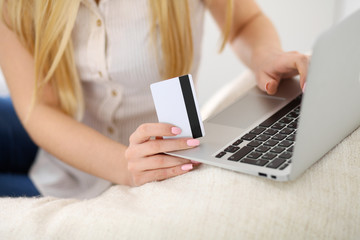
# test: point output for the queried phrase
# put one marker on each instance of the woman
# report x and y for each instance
(79, 75)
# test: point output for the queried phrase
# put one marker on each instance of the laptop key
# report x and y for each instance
(237, 142)
(262, 137)
(255, 162)
(254, 143)
(271, 143)
(291, 149)
(248, 137)
(254, 155)
(279, 137)
(269, 156)
(284, 166)
(220, 154)
(231, 149)
(276, 163)
(270, 132)
(285, 143)
(286, 131)
(279, 114)
(241, 153)
(292, 125)
(257, 130)
(271, 120)
(292, 115)
(262, 149)
(286, 155)
(277, 150)
(278, 126)
(291, 138)
(286, 120)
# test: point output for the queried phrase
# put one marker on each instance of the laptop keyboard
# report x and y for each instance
(271, 143)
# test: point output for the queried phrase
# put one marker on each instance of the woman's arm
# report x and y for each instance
(255, 40)
(51, 129)
(79, 145)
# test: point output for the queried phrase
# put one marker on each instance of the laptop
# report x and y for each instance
(279, 137)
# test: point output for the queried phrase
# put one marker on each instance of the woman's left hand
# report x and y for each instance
(281, 65)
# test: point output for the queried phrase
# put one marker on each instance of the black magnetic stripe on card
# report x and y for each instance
(190, 106)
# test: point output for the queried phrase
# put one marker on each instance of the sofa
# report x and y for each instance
(206, 203)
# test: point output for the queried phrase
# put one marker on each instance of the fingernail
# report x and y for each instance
(175, 130)
(303, 89)
(267, 86)
(186, 167)
(193, 142)
(195, 162)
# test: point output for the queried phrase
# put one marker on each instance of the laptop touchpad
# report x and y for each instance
(247, 110)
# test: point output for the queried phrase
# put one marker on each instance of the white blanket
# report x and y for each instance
(207, 203)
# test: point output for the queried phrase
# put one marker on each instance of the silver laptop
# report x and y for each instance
(279, 137)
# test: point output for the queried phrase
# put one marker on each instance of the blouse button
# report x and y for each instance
(99, 23)
(110, 130)
(100, 74)
(114, 93)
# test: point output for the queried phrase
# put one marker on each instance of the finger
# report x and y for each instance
(195, 163)
(302, 67)
(167, 145)
(145, 131)
(268, 83)
(295, 63)
(162, 174)
(157, 161)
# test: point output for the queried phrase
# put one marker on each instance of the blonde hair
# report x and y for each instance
(44, 27)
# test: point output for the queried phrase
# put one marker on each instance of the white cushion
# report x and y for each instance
(207, 203)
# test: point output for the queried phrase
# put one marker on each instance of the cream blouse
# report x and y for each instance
(116, 64)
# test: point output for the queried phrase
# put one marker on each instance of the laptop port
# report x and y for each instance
(262, 174)
(273, 177)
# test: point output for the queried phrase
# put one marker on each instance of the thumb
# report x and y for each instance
(268, 84)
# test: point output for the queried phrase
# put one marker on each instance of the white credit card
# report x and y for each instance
(175, 103)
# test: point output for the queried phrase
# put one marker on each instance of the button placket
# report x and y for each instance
(101, 53)
(109, 106)
(101, 23)
(97, 41)
(114, 93)
(110, 130)
(98, 22)
(97, 46)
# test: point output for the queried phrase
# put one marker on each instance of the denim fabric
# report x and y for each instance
(17, 154)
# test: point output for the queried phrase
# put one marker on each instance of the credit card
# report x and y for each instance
(175, 102)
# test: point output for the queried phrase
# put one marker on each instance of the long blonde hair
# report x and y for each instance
(44, 27)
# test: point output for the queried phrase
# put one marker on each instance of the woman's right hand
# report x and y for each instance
(146, 161)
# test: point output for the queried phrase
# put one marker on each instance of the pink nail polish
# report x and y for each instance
(193, 142)
(186, 167)
(175, 130)
(303, 89)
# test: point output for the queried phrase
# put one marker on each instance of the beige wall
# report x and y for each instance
(299, 22)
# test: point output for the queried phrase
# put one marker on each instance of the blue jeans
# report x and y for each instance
(17, 154)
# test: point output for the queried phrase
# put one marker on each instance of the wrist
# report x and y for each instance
(262, 55)
(115, 168)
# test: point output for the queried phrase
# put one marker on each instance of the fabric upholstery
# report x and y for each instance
(206, 203)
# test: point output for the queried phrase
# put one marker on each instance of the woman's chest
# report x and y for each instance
(113, 40)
